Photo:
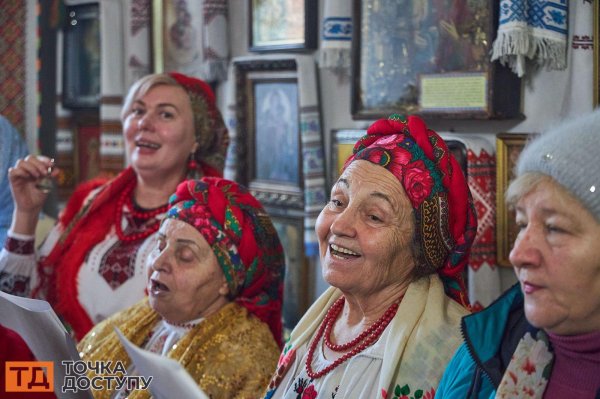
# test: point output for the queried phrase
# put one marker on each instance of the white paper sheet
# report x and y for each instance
(169, 378)
(35, 321)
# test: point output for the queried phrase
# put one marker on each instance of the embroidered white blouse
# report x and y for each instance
(358, 377)
(97, 296)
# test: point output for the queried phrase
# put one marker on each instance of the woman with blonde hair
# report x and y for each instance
(92, 263)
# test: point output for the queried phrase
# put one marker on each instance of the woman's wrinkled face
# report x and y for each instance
(159, 131)
(185, 280)
(366, 231)
(556, 258)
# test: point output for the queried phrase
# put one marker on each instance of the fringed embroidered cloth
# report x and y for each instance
(534, 30)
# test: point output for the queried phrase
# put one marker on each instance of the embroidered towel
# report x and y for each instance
(313, 159)
(336, 34)
(532, 29)
(483, 274)
(196, 41)
(577, 93)
(215, 46)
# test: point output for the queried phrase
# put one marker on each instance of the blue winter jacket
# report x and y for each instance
(491, 336)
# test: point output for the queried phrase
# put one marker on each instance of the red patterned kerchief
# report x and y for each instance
(243, 239)
(436, 187)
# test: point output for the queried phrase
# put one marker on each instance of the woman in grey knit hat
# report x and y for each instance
(541, 339)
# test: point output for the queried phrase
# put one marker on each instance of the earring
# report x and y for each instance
(192, 167)
(192, 164)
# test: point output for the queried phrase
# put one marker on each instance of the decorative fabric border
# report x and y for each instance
(19, 247)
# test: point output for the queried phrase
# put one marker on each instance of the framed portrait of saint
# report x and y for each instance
(277, 131)
(268, 134)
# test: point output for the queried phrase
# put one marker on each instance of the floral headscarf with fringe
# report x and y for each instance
(243, 239)
(445, 217)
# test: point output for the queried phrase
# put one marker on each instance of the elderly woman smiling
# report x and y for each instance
(396, 232)
(215, 286)
(542, 337)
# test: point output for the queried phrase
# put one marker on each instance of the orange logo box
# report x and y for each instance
(29, 377)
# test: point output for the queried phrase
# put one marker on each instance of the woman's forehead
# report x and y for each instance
(177, 229)
(375, 180)
(550, 198)
(168, 94)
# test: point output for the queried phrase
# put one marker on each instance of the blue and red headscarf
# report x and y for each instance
(446, 222)
(242, 238)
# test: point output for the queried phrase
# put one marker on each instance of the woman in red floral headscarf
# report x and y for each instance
(394, 240)
(92, 263)
(215, 294)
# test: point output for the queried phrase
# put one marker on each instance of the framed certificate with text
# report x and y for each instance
(429, 57)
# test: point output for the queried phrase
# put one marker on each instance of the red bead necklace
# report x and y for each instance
(358, 344)
(126, 198)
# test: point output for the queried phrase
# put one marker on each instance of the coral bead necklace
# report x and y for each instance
(126, 198)
(355, 346)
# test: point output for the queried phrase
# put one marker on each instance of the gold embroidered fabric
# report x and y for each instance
(231, 354)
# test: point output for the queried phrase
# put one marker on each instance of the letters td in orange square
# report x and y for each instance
(29, 377)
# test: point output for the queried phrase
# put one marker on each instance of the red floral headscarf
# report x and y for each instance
(243, 239)
(210, 130)
(437, 189)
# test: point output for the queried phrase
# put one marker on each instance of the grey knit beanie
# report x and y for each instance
(568, 154)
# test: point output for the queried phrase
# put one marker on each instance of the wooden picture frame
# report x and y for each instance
(434, 62)
(508, 149)
(81, 57)
(282, 25)
(268, 142)
(295, 285)
(172, 54)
